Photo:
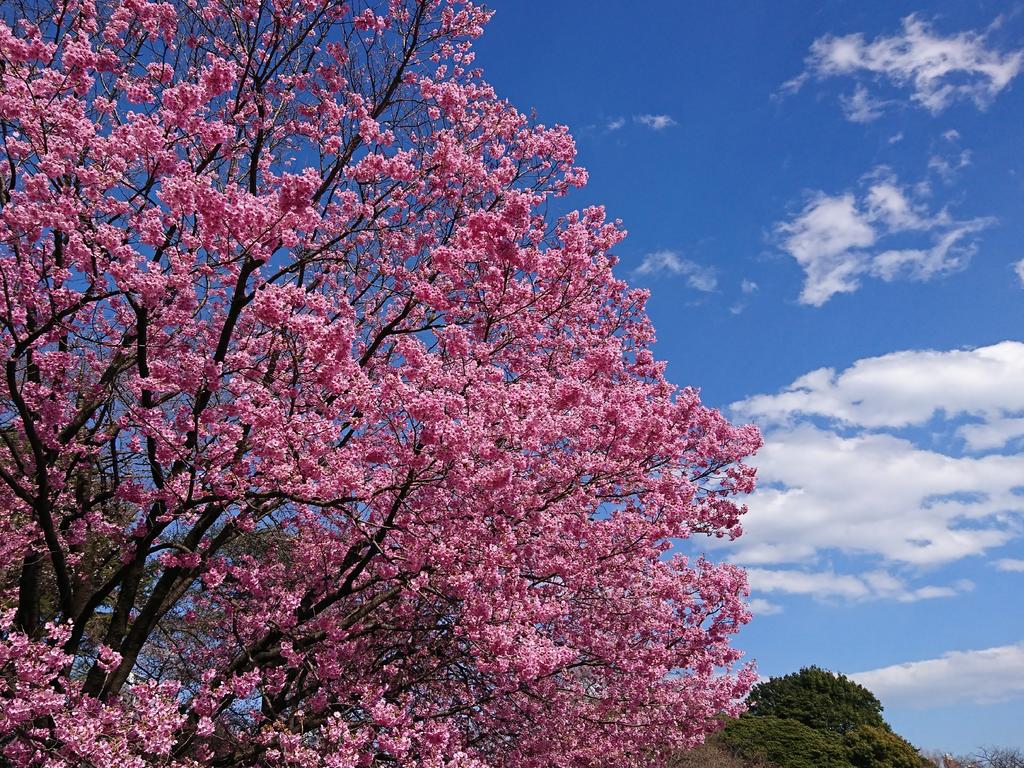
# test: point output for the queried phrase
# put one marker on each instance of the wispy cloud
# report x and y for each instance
(861, 107)
(747, 287)
(697, 276)
(946, 167)
(761, 607)
(828, 585)
(826, 239)
(1010, 565)
(616, 124)
(1018, 268)
(839, 239)
(937, 70)
(655, 122)
(986, 676)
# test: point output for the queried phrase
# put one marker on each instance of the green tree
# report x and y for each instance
(870, 746)
(784, 743)
(819, 699)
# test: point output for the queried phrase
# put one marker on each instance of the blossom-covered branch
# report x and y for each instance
(321, 445)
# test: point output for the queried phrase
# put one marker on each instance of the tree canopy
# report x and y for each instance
(321, 442)
(816, 718)
(784, 743)
(819, 699)
(872, 746)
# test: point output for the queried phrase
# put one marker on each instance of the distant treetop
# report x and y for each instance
(819, 699)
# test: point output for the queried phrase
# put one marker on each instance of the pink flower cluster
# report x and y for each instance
(320, 445)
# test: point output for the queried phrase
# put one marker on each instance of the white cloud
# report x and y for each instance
(834, 238)
(1010, 565)
(699, 277)
(825, 240)
(877, 496)
(833, 476)
(992, 434)
(886, 202)
(937, 70)
(826, 585)
(947, 254)
(747, 287)
(616, 124)
(655, 122)
(1018, 268)
(901, 389)
(987, 676)
(948, 167)
(861, 107)
(896, 138)
(761, 607)
(820, 584)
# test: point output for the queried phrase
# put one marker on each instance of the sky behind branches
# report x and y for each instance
(825, 200)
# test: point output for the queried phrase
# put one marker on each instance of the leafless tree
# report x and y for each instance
(1000, 757)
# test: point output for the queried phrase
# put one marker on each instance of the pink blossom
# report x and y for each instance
(325, 446)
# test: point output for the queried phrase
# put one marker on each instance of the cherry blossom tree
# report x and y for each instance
(320, 443)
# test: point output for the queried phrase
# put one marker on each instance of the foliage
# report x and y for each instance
(784, 743)
(319, 444)
(819, 699)
(871, 746)
(810, 718)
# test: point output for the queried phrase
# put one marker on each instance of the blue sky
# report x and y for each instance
(825, 201)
